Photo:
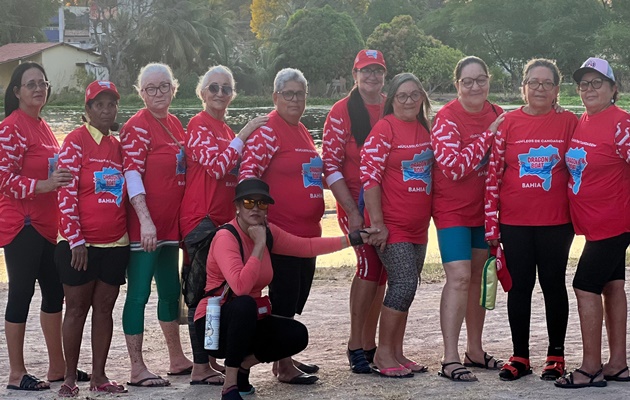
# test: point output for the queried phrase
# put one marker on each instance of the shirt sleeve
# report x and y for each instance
(374, 154)
(456, 161)
(622, 139)
(70, 157)
(334, 146)
(226, 252)
(288, 244)
(13, 146)
(496, 166)
(135, 141)
(259, 150)
(203, 147)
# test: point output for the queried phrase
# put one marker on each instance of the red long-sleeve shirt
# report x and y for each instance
(211, 174)
(225, 263)
(527, 176)
(598, 159)
(148, 149)
(461, 142)
(28, 153)
(92, 208)
(284, 156)
(397, 156)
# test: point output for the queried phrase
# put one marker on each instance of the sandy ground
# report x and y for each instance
(326, 317)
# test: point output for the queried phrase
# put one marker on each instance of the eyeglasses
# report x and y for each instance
(481, 81)
(152, 90)
(288, 95)
(32, 85)
(214, 88)
(250, 204)
(369, 71)
(546, 85)
(414, 96)
(595, 83)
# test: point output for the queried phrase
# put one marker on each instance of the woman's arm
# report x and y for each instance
(496, 168)
(259, 150)
(622, 139)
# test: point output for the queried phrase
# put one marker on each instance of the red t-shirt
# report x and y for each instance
(340, 152)
(150, 150)
(28, 153)
(284, 156)
(527, 176)
(211, 174)
(461, 144)
(92, 209)
(397, 156)
(599, 187)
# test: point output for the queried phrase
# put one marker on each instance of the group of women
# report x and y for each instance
(83, 218)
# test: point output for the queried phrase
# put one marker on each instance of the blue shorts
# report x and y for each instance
(456, 243)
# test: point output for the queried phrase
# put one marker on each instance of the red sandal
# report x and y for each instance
(554, 368)
(515, 368)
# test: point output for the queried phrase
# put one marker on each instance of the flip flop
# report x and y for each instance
(419, 368)
(207, 381)
(302, 379)
(487, 358)
(306, 368)
(617, 378)
(82, 376)
(570, 384)
(457, 373)
(67, 391)
(30, 383)
(164, 382)
(388, 372)
(109, 387)
(186, 371)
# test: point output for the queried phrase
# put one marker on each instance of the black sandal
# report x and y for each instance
(487, 359)
(30, 383)
(358, 362)
(569, 384)
(457, 373)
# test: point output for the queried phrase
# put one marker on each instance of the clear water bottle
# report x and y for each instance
(213, 318)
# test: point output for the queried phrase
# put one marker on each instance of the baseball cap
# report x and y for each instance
(97, 87)
(597, 65)
(369, 57)
(253, 186)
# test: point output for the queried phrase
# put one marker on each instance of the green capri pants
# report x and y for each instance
(163, 265)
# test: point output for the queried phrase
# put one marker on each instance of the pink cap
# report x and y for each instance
(369, 57)
(597, 65)
(97, 87)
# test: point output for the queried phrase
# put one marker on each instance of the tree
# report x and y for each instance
(321, 42)
(399, 40)
(264, 14)
(435, 67)
(382, 11)
(23, 21)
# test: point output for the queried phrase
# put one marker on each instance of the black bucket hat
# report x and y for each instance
(253, 186)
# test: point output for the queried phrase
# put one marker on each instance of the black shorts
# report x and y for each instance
(107, 264)
(602, 261)
(291, 284)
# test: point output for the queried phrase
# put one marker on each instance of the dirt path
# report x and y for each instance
(327, 319)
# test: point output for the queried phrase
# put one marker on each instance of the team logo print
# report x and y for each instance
(540, 163)
(419, 168)
(312, 172)
(181, 163)
(109, 180)
(52, 164)
(576, 163)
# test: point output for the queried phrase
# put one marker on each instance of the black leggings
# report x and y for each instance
(30, 257)
(545, 247)
(241, 333)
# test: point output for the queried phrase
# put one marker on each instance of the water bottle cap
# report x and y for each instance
(215, 301)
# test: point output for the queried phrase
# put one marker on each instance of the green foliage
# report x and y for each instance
(383, 11)
(23, 21)
(321, 42)
(399, 40)
(434, 68)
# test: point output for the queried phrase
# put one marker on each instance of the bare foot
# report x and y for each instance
(202, 372)
(147, 378)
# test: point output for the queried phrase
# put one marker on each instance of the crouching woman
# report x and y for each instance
(245, 337)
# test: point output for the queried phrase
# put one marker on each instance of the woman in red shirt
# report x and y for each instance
(29, 179)
(247, 336)
(527, 209)
(93, 246)
(212, 156)
(345, 130)
(462, 134)
(396, 163)
(598, 159)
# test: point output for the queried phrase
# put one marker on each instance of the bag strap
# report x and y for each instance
(181, 146)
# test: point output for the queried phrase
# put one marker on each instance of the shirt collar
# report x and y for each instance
(95, 133)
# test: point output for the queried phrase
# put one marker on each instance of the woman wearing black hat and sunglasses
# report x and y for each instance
(246, 336)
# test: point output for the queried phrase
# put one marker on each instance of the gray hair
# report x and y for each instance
(217, 69)
(287, 75)
(155, 68)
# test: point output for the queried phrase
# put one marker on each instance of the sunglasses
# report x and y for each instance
(215, 87)
(250, 204)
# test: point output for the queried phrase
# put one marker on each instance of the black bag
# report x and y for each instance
(194, 274)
